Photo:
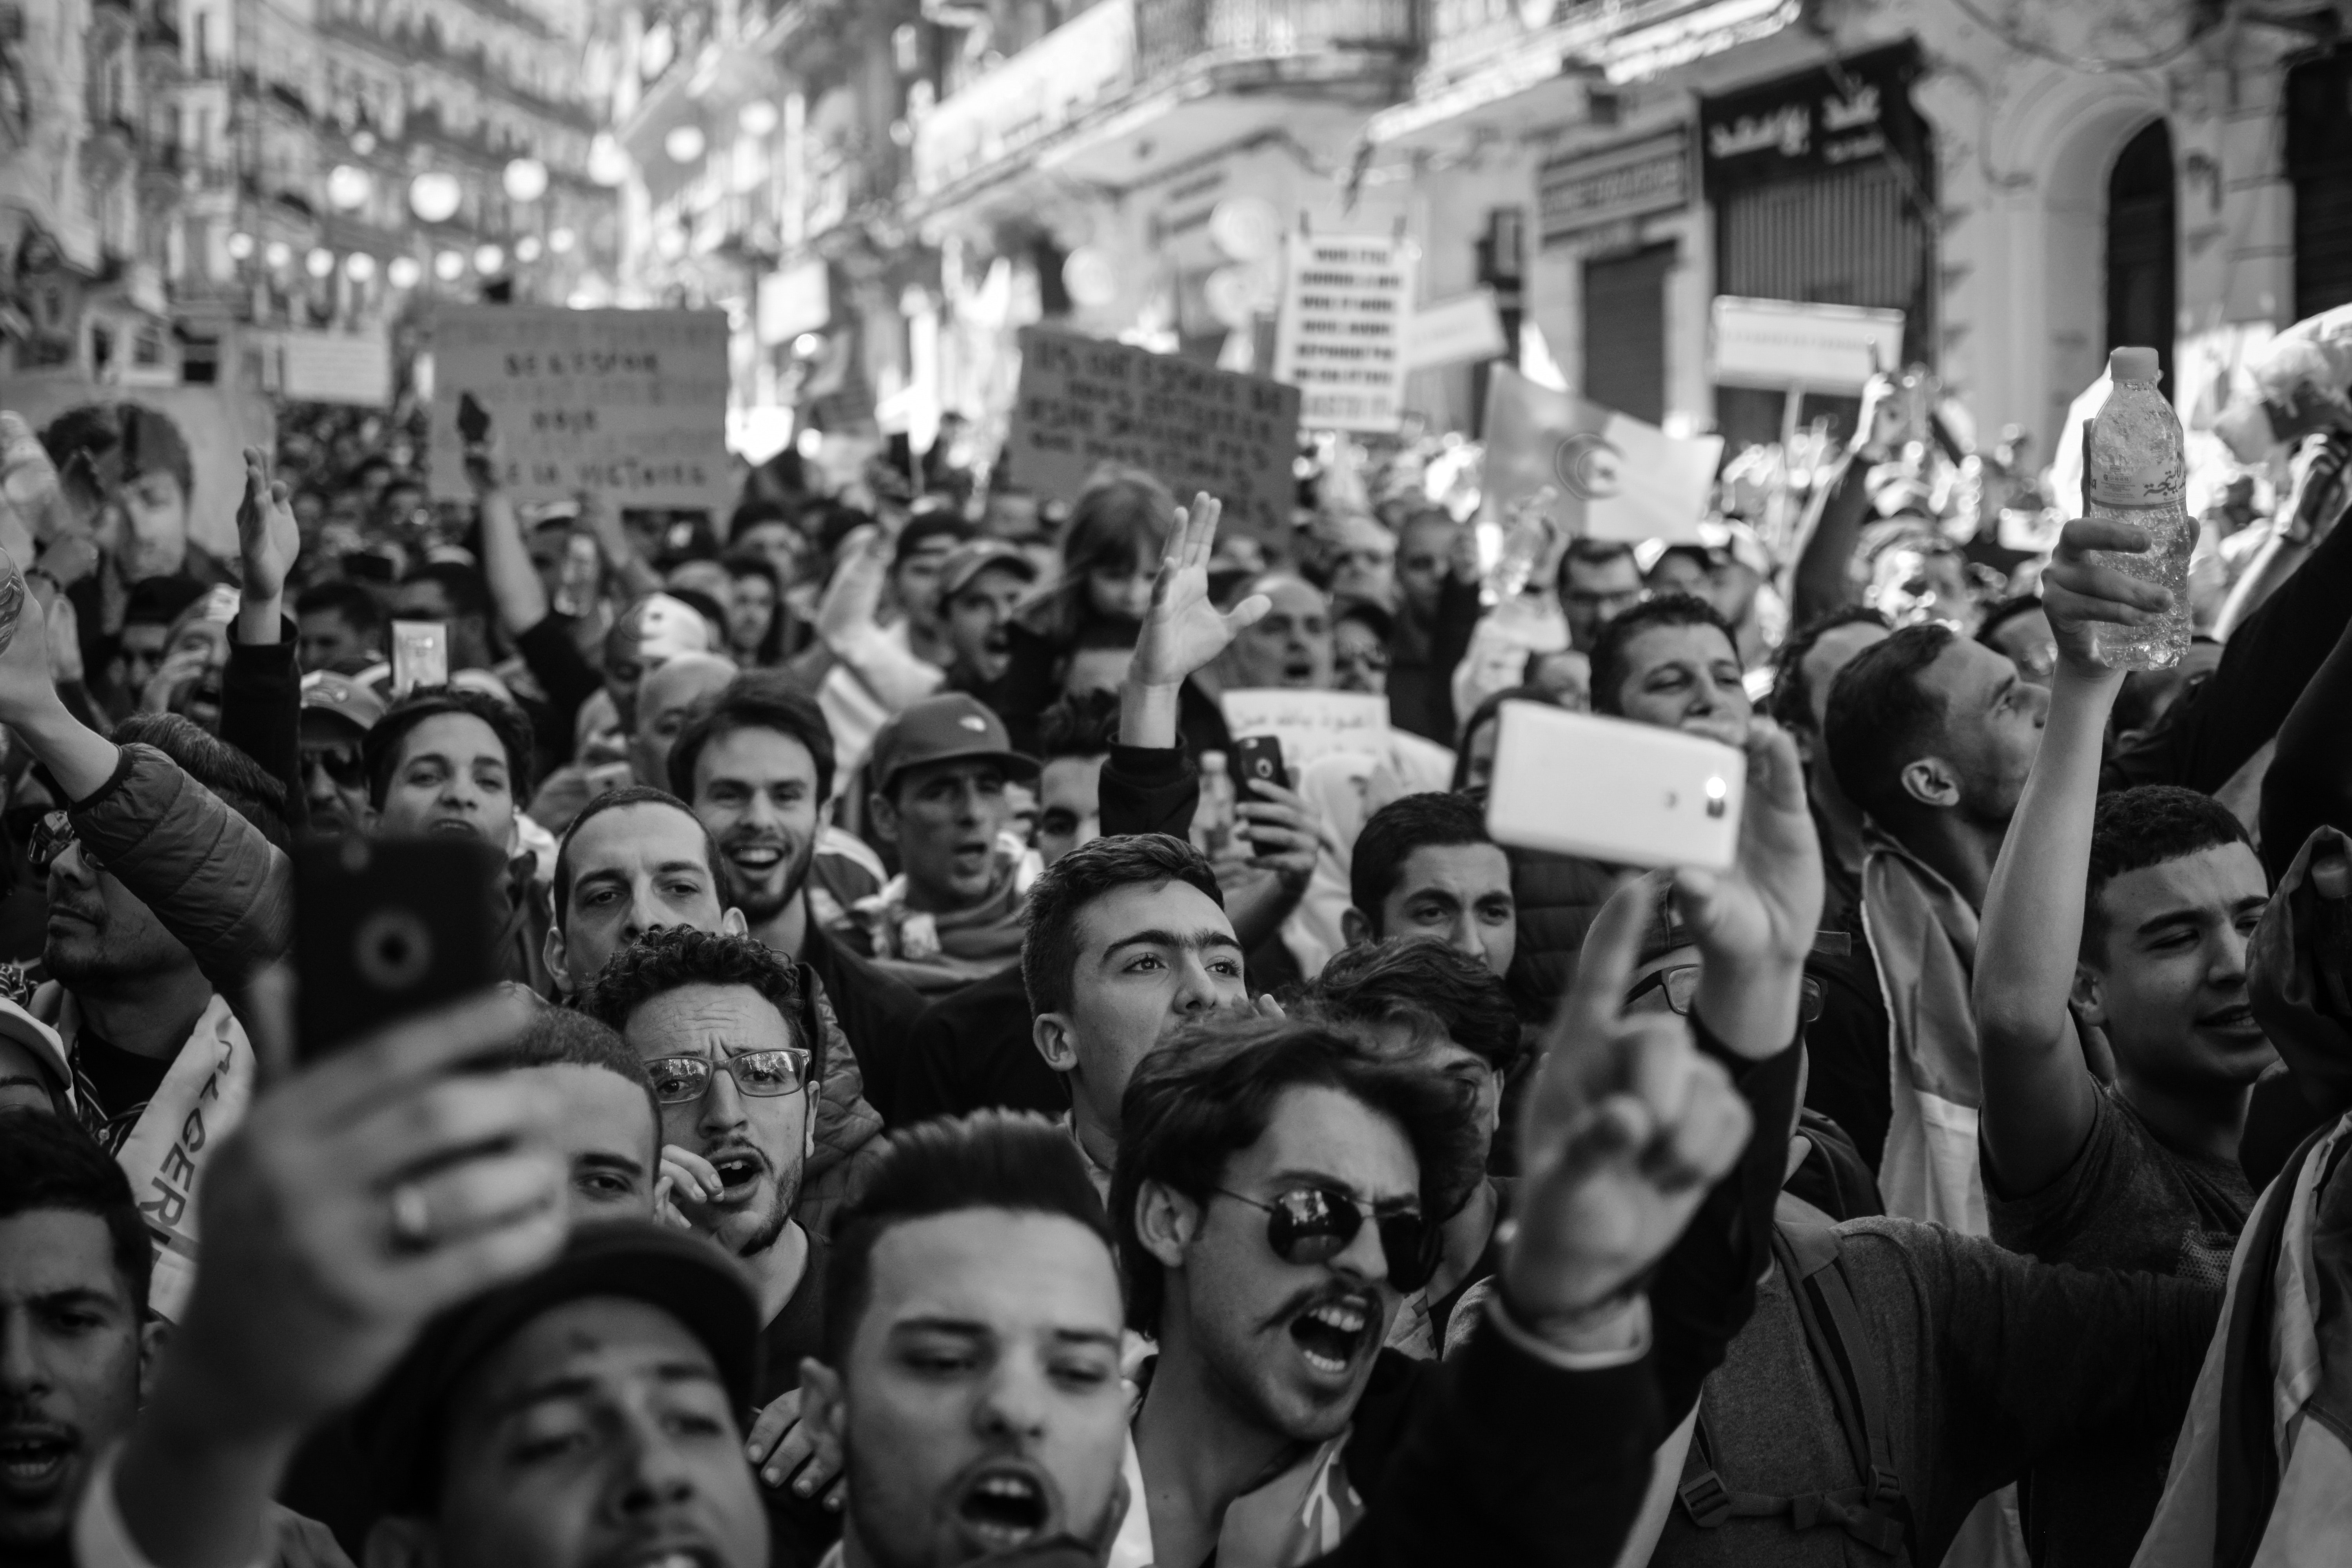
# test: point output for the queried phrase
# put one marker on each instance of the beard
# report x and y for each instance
(755, 898)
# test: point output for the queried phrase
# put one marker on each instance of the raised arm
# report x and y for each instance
(505, 560)
(1183, 631)
(261, 691)
(2038, 1095)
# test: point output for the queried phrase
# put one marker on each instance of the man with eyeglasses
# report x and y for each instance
(337, 714)
(716, 1019)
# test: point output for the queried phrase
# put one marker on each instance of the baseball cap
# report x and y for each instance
(950, 727)
(325, 691)
(927, 529)
(399, 1426)
(973, 556)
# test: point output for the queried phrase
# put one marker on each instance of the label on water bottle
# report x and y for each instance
(2139, 492)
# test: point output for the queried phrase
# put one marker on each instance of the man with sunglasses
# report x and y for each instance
(337, 714)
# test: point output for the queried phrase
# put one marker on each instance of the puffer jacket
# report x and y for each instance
(213, 879)
(848, 1129)
(1558, 897)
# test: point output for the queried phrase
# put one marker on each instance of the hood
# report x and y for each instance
(2284, 984)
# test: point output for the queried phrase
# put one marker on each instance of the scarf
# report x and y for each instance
(203, 1097)
(2262, 1476)
(1922, 934)
(935, 949)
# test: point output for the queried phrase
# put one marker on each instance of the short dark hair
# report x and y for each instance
(348, 600)
(1049, 943)
(611, 799)
(559, 1037)
(1490, 711)
(1391, 833)
(1416, 979)
(244, 786)
(1610, 666)
(1881, 718)
(1582, 551)
(48, 1162)
(759, 699)
(1375, 617)
(992, 1158)
(662, 960)
(380, 748)
(2133, 829)
(1205, 1096)
(469, 594)
(1079, 724)
(2001, 612)
(1791, 703)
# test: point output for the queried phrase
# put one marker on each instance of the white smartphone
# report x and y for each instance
(420, 656)
(1631, 794)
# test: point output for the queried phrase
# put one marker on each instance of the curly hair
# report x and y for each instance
(663, 961)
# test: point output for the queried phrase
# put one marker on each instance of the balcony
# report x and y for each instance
(1129, 89)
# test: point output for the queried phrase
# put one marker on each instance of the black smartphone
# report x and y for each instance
(387, 926)
(473, 419)
(1257, 760)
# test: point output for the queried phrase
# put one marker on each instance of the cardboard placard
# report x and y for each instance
(632, 403)
(1311, 725)
(1082, 403)
(1346, 301)
(216, 423)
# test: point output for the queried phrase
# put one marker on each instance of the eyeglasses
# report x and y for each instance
(52, 837)
(343, 759)
(1374, 657)
(1315, 1225)
(1680, 986)
(764, 1075)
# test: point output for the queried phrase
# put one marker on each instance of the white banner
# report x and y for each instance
(1779, 343)
(1346, 302)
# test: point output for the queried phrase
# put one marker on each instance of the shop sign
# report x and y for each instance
(1347, 302)
(1083, 402)
(1046, 87)
(1802, 125)
(1776, 344)
(1586, 191)
(631, 404)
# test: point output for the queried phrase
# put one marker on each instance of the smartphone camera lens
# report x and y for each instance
(394, 950)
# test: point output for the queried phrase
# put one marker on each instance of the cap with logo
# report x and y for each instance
(950, 727)
(340, 697)
(973, 556)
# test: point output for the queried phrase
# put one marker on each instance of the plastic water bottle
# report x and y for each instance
(2134, 472)
(1527, 541)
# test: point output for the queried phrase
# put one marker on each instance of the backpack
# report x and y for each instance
(1877, 1514)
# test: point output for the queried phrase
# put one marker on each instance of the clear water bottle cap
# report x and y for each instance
(2131, 365)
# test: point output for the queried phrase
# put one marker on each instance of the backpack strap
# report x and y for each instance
(1877, 1513)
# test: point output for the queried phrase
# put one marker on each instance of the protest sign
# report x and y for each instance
(332, 367)
(1777, 343)
(632, 403)
(1467, 327)
(1311, 725)
(216, 423)
(1084, 403)
(1594, 472)
(1346, 301)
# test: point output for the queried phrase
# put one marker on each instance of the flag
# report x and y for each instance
(1611, 476)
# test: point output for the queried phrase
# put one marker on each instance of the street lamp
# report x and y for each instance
(435, 196)
(526, 179)
(527, 249)
(240, 246)
(359, 266)
(488, 258)
(561, 240)
(608, 165)
(404, 273)
(684, 143)
(279, 254)
(349, 186)
(448, 267)
(320, 263)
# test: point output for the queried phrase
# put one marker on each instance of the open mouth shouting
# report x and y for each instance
(1334, 1333)
(740, 1168)
(34, 1459)
(1005, 1504)
(669, 1554)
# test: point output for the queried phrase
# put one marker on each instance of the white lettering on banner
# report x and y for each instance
(1851, 113)
(1341, 339)
(632, 403)
(1311, 725)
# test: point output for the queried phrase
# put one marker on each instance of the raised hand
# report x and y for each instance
(2080, 594)
(27, 683)
(1755, 924)
(1624, 1129)
(268, 537)
(1182, 630)
(782, 1447)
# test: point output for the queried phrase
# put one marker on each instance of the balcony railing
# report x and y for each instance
(1170, 34)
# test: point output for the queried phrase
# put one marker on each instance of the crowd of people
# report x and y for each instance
(935, 1113)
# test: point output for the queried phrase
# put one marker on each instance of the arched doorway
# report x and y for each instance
(2143, 246)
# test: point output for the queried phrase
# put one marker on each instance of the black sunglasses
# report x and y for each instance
(344, 761)
(52, 837)
(1315, 1225)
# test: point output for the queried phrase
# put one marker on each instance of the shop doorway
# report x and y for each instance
(1625, 332)
(2143, 241)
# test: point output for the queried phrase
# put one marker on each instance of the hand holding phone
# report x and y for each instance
(388, 928)
(1615, 791)
(420, 656)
